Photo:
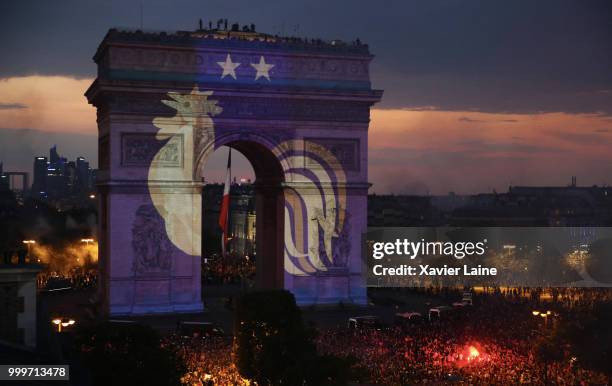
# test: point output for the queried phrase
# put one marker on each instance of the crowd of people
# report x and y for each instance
(215, 271)
(569, 298)
(435, 356)
(208, 360)
(231, 269)
(494, 344)
(75, 278)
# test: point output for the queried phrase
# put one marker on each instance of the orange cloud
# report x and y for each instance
(47, 103)
(433, 151)
(410, 151)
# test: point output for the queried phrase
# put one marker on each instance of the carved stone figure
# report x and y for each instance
(327, 223)
(342, 246)
(151, 246)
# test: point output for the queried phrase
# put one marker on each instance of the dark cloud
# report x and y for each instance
(12, 106)
(493, 56)
(478, 147)
(465, 152)
(437, 171)
(466, 119)
(588, 138)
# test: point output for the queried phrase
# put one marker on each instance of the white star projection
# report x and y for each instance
(229, 67)
(262, 68)
(171, 188)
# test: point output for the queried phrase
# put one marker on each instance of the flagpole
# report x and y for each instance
(229, 172)
(225, 204)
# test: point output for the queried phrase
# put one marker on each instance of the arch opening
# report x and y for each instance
(255, 251)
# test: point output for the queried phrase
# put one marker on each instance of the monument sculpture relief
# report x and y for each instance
(297, 110)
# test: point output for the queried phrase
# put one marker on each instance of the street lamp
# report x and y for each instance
(544, 315)
(62, 323)
(86, 241)
(29, 244)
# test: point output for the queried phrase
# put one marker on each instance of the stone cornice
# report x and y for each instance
(209, 39)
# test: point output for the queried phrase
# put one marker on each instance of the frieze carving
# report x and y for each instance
(150, 244)
(345, 151)
(255, 108)
(289, 109)
(139, 149)
(342, 245)
(202, 62)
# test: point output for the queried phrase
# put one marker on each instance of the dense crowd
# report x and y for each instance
(76, 278)
(231, 269)
(208, 360)
(569, 298)
(433, 356)
(492, 345)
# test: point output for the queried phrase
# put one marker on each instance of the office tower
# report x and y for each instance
(40, 175)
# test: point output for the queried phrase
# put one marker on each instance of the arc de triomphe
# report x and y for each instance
(298, 110)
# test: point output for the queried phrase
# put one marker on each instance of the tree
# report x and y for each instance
(127, 355)
(273, 347)
(590, 338)
(548, 349)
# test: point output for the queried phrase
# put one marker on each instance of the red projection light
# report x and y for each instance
(473, 353)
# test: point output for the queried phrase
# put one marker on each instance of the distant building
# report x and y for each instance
(241, 223)
(18, 304)
(59, 179)
(538, 206)
(56, 182)
(242, 220)
(54, 158)
(572, 206)
(4, 181)
(83, 175)
(399, 210)
(40, 175)
(8, 179)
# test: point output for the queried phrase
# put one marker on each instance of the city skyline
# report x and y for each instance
(463, 111)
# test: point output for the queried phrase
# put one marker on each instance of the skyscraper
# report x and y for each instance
(54, 158)
(40, 175)
(82, 183)
(4, 180)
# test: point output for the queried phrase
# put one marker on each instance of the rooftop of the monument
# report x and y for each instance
(236, 37)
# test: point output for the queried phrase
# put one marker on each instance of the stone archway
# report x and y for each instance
(269, 199)
(298, 111)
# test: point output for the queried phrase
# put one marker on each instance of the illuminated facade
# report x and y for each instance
(298, 110)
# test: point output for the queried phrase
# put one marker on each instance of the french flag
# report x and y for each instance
(225, 202)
